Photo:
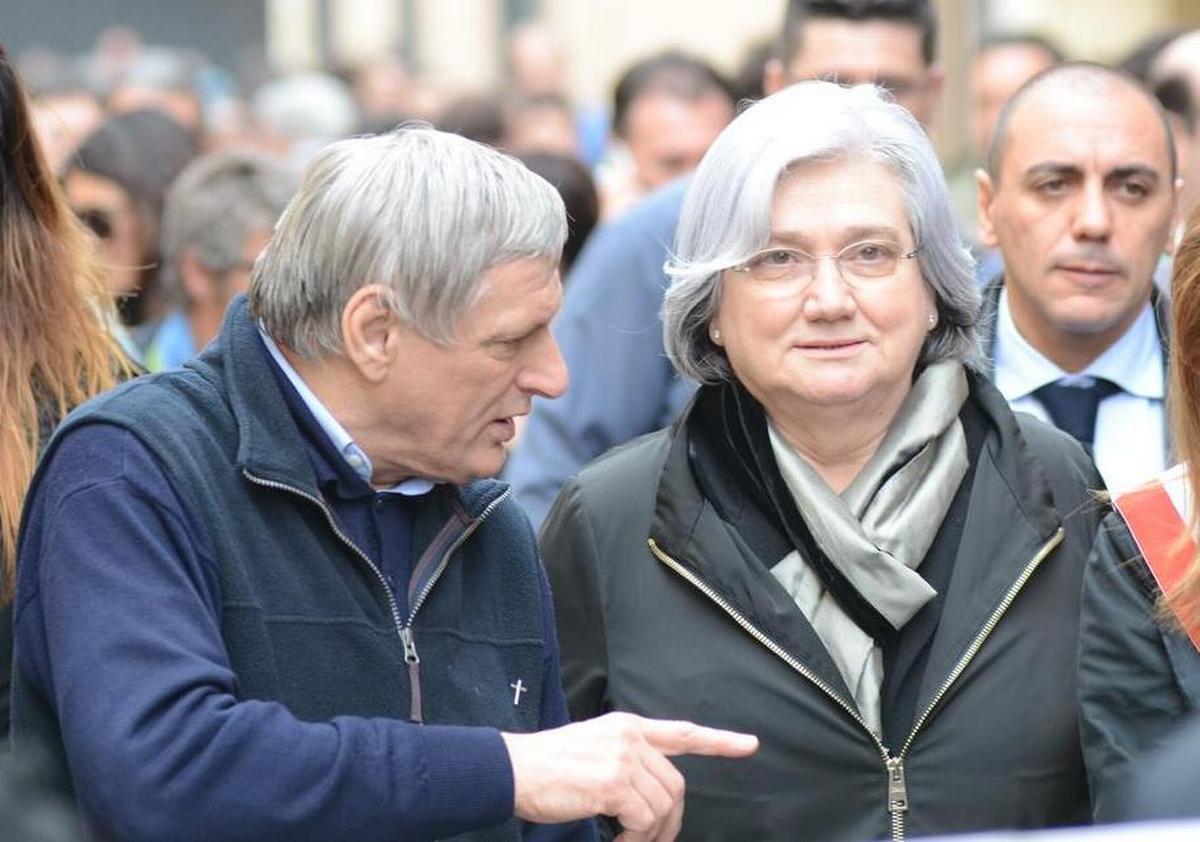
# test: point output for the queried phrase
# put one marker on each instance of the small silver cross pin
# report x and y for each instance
(519, 688)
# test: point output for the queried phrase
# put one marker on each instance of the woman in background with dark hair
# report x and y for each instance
(54, 349)
(116, 183)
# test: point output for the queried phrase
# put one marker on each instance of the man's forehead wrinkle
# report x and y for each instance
(1027, 146)
(1064, 85)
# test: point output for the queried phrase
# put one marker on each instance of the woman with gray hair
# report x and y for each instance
(847, 544)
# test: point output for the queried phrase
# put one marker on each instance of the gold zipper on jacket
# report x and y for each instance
(991, 623)
(766, 641)
(897, 788)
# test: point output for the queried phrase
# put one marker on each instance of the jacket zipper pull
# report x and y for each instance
(897, 798)
(414, 672)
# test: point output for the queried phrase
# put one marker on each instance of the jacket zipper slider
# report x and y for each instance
(410, 647)
(897, 798)
(414, 672)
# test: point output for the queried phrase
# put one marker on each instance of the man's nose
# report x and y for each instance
(546, 374)
(1093, 216)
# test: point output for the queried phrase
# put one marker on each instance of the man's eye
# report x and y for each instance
(1134, 189)
(1052, 186)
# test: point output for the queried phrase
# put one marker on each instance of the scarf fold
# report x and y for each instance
(879, 529)
(852, 566)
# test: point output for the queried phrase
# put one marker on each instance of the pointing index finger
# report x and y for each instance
(681, 737)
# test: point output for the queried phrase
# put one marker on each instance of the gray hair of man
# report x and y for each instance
(726, 214)
(214, 205)
(422, 212)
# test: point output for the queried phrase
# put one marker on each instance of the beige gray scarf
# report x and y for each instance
(880, 528)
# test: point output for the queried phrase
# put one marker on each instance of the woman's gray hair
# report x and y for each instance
(726, 214)
(422, 212)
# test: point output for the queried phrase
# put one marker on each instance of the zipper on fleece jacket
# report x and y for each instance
(404, 629)
(897, 788)
(406, 632)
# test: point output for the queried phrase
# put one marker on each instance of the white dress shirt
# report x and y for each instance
(1130, 445)
(354, 455)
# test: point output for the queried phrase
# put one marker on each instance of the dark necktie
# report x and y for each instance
(1073, 408)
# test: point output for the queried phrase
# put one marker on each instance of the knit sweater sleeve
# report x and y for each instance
(118, 629)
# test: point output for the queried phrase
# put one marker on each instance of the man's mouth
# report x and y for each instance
(1088, 269)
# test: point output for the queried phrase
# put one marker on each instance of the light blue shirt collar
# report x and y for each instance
(1133, 362)
(354, 455)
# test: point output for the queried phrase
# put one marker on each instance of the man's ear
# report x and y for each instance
(987, 192)
(774, 76)
(371, 332)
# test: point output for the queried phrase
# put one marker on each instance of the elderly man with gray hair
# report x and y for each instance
(263, 596)
(218, 216)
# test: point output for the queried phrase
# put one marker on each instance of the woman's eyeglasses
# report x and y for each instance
(858, 264)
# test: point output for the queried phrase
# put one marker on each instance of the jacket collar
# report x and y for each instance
(990, 310)
(731, 454)
(1010, 518)
(989, 313)
(270, 443)
(687, 527)
(1011, 515)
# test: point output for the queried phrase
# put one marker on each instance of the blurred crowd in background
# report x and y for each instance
(178, 165)
(122, 120)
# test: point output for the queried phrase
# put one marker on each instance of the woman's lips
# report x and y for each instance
(832, 348)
